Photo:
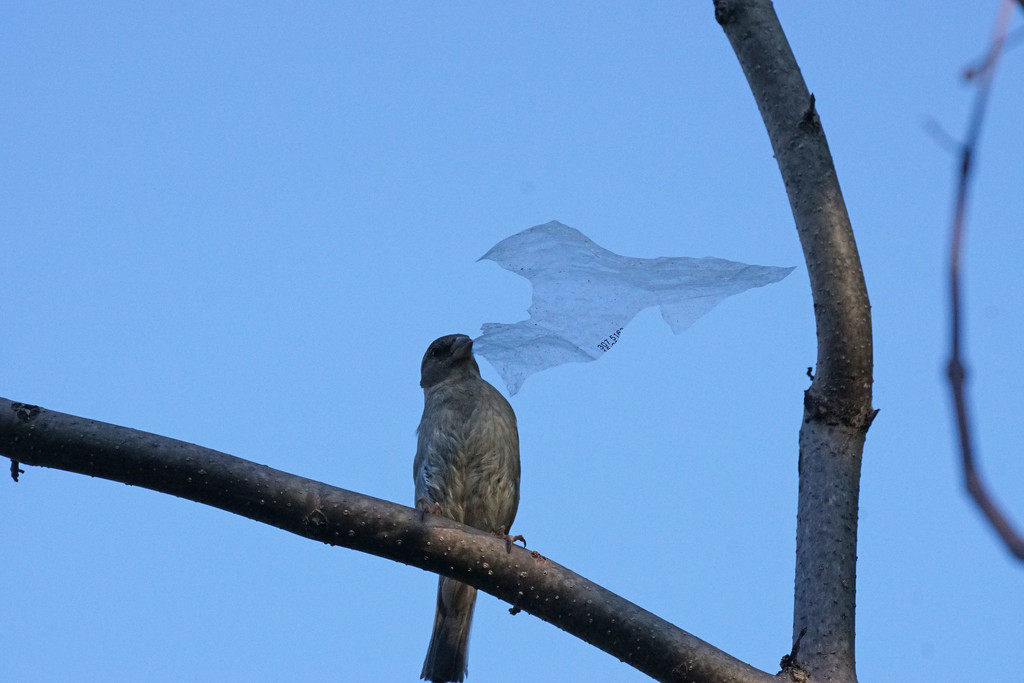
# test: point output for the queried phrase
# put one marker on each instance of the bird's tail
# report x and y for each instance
(449, 643)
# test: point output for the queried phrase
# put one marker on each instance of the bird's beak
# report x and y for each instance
(463, 347)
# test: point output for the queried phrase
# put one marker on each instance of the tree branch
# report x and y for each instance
(956, 371)
(35, 436)
(837, 406)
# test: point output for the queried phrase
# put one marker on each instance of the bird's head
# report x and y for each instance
(449, 357)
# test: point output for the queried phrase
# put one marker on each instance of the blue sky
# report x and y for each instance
(240, 225)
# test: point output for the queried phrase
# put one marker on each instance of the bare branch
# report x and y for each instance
(982, 76)
(528, 581)
(837, 406)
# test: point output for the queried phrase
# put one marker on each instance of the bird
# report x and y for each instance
(466, 469)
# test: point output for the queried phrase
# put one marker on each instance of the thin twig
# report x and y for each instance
(982, 76)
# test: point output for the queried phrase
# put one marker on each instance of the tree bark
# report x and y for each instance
(837, 406)
(527, 580)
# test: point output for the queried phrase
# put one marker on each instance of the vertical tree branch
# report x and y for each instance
(837, 406)
(957, 373)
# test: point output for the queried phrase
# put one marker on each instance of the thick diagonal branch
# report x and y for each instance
(532, 583)
(837, 406)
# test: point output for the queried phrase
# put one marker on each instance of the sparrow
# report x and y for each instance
(466, 469)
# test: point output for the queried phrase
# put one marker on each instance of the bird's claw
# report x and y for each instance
(425, 507)
(510, 540)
